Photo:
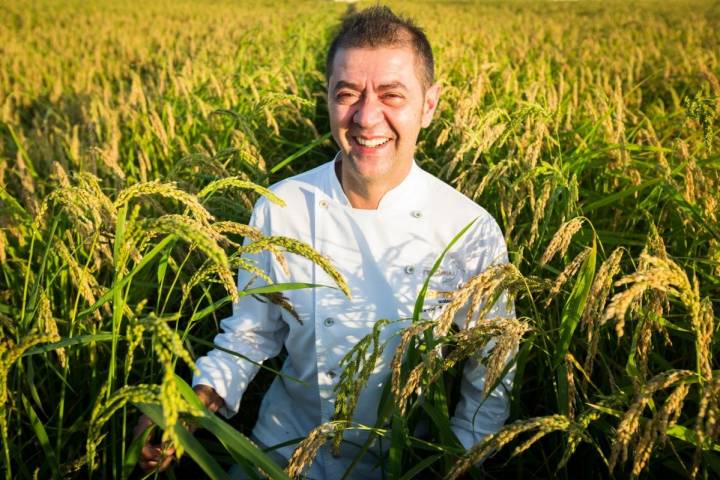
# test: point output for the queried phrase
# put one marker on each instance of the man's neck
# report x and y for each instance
(364, 195)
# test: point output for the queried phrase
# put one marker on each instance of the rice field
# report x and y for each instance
(136, 136)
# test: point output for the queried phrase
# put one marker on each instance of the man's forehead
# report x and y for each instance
(386, 64)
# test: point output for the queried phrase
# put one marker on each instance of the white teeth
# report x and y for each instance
(371, 143)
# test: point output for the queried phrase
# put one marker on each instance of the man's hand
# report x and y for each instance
(157, 456)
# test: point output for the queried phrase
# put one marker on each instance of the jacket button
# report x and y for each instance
(409, 269)
(329, 322)
(416, 214)
(323, 203)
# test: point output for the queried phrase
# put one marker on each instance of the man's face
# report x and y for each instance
(377, 106)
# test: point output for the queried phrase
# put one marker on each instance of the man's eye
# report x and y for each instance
(344, 95)
(393, 97)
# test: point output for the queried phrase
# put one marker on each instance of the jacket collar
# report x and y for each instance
(407, 194)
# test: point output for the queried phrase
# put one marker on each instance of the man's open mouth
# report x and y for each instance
(371, 142)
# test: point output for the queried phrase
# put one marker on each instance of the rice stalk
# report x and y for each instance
(9, 354)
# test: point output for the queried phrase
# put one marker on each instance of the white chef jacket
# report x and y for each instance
(385, 256)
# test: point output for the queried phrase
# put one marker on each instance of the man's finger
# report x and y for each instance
(148, 466)
(150, 452)
(166, 462)
(157, 463)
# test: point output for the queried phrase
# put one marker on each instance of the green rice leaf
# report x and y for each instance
(191, 445)
(573, 309)
(69, 342)
(237, 444)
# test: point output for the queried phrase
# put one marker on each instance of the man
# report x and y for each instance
(382, 221)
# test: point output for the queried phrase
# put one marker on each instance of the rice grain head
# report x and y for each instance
(306, 451)
(568, 272)
(104, 410)
(240, 183)
(494, 442)
(357, 366)
(407, 335)
(592, 319)
(657, 428)
(166, 190)
(561, 240)
(658, 274)
(628, 427)
(480, 289)
(297, 247)
(192, 231)
(601, 287)
(47, 323)
(706, 424)
(539, 209)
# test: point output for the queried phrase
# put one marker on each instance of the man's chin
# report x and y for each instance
(369, 169)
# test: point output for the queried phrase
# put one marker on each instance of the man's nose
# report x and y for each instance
(369, 112)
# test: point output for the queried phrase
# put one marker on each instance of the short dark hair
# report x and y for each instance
(376, 27)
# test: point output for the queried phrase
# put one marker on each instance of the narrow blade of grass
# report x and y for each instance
(301, 152)
(42, 437)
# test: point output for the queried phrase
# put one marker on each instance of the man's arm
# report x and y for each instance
(254, 332)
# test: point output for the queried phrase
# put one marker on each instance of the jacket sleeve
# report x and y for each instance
(477, 416)
(255, 330)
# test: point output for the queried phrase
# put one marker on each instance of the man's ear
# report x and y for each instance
(432, 97)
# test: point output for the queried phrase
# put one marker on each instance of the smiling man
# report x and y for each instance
(382, 221)
(379, 97)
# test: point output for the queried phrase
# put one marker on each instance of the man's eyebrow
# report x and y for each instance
(354, 86)
(392, 85)
(344, 84)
